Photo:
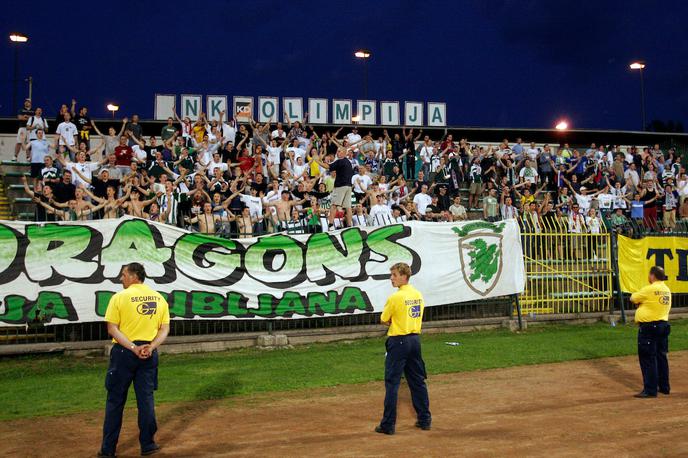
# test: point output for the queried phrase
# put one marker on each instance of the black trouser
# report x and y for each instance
(404, 356)
(653, 346)
(124, 368)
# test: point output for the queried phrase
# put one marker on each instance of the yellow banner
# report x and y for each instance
(637, 256)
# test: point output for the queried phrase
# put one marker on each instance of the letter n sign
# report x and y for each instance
(437, 114)
(268, 109)
(191, 106)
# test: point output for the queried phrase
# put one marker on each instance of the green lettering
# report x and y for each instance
(14, 309)
(265, 306)
(326, 258)
(102, 301)
(383, 242)
(9, 245)
(320, 304)
(54, 249)
(133, 241)
(206, 304)
(354, 299)
(290, 304)
(209, 260)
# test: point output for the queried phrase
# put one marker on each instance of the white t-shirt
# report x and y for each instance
(361, 183)
(66, 131)
(426, 152)
(532, 153)
(254, 204)
(380, 214)
(216, 165)
(298, 170)
(528, 174)
(140, 153)
(39, 150)
(85, 168)
(298, 152)
(353, 138)
(39, 123)
(583, 202)
(228, 133)
(274, 154)
(422, 201)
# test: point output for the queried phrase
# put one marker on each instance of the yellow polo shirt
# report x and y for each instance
(139, 311)
(405, 309)
(654, 302)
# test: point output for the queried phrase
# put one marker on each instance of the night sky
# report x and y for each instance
(495, 63)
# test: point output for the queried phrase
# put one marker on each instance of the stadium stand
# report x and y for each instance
(230, 179)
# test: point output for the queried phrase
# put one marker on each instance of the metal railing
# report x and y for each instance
(79, 332)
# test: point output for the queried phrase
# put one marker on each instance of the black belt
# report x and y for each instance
(652, 322)
(141, 342)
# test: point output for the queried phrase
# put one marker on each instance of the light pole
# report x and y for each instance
(112, 108)
(365, 55)
(16, 38)
(640, 66)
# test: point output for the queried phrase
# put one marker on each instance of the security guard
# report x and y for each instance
(403, 313)
(138, 319)
(652, 316)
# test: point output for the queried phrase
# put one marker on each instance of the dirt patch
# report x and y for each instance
(582, 408)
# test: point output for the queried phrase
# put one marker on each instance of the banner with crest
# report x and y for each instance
(67, 272)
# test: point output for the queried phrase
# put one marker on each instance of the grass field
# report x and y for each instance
(57, 385)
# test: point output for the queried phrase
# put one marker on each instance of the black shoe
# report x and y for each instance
(102, 454)
(643, 394)
(155, 449)
(379, 429)
(665, 392)
(423, 427)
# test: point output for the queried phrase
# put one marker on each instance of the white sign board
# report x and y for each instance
(413, 114)
(317, 111)
(366, 112)
(341, 111)
(268, 109)
(192, 106)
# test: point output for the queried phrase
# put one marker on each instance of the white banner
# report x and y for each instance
(293, 109)
(268, 109)
(214, 105)
(389, 113)
(191, 106)
(317, 111)
(413, 114)
(67, 272)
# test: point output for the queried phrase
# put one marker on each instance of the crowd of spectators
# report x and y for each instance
(241, 179)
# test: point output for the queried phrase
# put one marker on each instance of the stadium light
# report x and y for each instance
(112, 108)
(365, 55)
(16, 38)
(562, 125)
(640, 65)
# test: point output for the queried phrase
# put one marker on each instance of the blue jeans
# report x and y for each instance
(124, 368)
(404, 356)
(653, 346)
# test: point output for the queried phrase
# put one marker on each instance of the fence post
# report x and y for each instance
(617, 282)
(518, 312)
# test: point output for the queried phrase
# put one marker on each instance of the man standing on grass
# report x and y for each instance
(403, 314)
(652, 316)
(138, 319)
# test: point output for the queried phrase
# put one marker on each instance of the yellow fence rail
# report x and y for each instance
(568, 266)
